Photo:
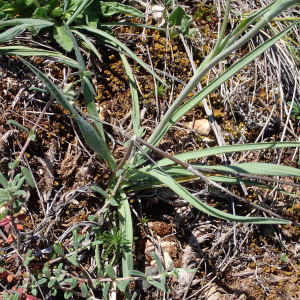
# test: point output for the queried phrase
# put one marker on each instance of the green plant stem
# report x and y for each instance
(278, 7)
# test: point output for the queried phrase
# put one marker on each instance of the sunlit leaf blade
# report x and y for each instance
(76, 48)
(11, 33)
(182, 192)
(62, 37)
(257, 169)
(83, 5)
(89, 43)
(227, 149)
(90, 135)
(100, 191)
(126, 227)
(26, 51)
(122, 46)
(35, 23)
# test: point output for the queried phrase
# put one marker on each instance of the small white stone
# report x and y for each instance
(158, 14)
(201, 126)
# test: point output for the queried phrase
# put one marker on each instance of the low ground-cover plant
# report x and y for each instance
(136, 170)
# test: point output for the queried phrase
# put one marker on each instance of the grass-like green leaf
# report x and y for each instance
(126, 227)
(257, 169)
(26, 51)
(227, 149)
(133, 89)
(62, 37)
(182, 192)
(90, 135)
(15, 123)
(35, 23)
(83, 5)
(11, 33)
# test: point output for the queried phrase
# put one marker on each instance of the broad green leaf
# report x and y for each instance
(16, 296)
(176, 16)
(66, 3)
(73, 260)
(123, 285)
(182, 192)
(42, 13)
(137, 273)
(100, 191)
(28, 176)
(112, 39)
(62, 37)
(125, 220)
(11, 33)
(106, 290)
(68, 294)
(19, 193)
(159, 285)
(15, 123)
(84, 290)
(59, 250)
(46, 272)
(3, 180)
(110, 271)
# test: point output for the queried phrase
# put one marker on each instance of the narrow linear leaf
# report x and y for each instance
(26, 51)
(11, 33)
(158, 262)
(35, 23)
(182, 192)
(160, 286)
(227, 149)
(15, 123)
